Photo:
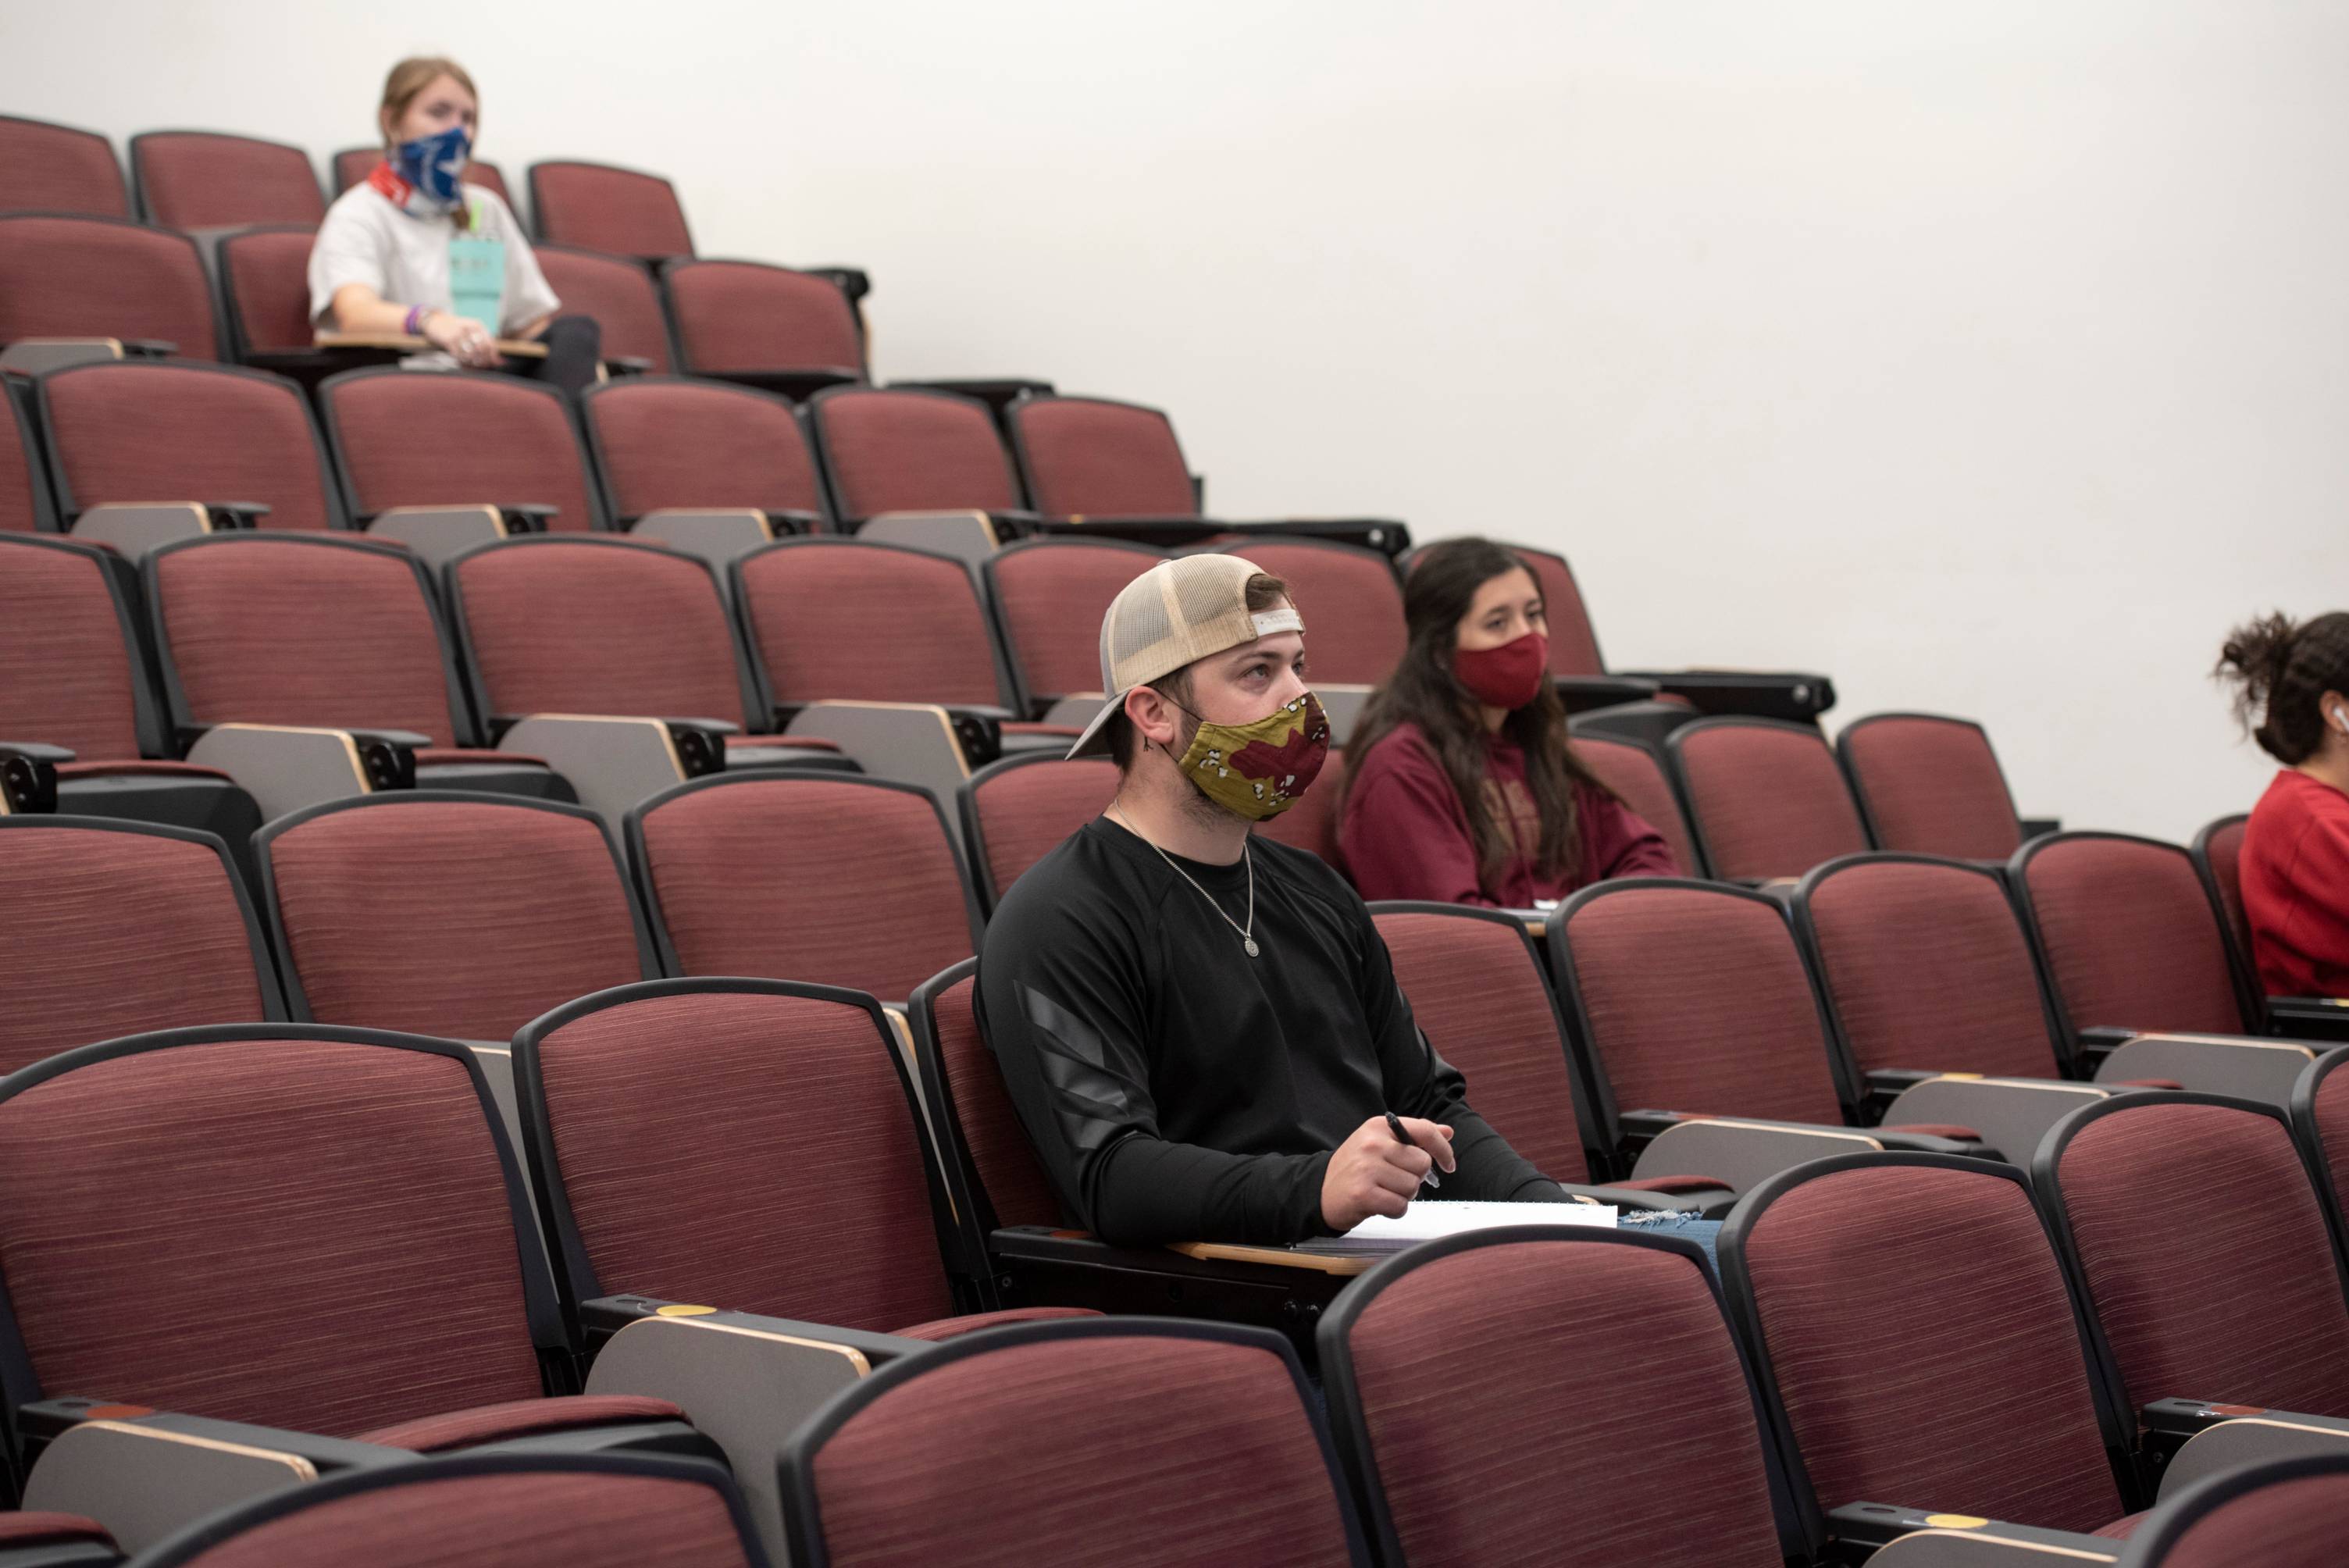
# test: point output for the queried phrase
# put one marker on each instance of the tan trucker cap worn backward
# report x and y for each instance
(1175, 614)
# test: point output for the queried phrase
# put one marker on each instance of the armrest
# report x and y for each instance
(2310, 1017)
(603, 1320)
(526, 516)
(717, 535)
(1075, 709)
(919, 743)
(967, 535)
(855, 282)
(1737, 1154)
(134, 528)
(148, 348)
(628, 363)
(1788, 695)
(285, 768)
(1892, 1537)
(145, 1474)
(1635, 1130)
(1694, 1201)
(1885, 1085)
(2227, 1436)
(746, 1382)
(437, 532)
(1343, 703)
(227, 515)
(1384, 534)
(1267, 1286)
(612, 762)
(28, 776)
(32, 356)
(2012, 1114)
(2241, 1064)
(1582, 694)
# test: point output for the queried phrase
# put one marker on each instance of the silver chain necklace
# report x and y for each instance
(1247, 940)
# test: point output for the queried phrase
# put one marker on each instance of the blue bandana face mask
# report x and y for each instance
(433, 166)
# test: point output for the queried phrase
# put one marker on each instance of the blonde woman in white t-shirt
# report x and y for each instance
(410, 249)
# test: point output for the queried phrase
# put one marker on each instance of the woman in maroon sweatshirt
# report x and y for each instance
(2296, 860)
(1460, 787)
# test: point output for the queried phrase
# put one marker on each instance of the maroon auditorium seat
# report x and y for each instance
(997, 1166)
(48, 167)
(1930, 785)
(2290, 1513)
(2218, 851)
(750, 1072)
(668, 441)
(1462, 1376)
(765, 324)
(1025, 1448)
(485, 1511)
(1017, 810)
(457, 915)
(597, 207)
(1092, 457)
(24, 504)
(66, 276)
(208, 1241)
(167, 430)
(1862, 1324)
(1923, 963)
(1351, 601)
(2128, 936)
(1637, 777)
(903, 449)
(834, 881)
(126, 927)
(1765, 798)
(2265, 1321)
(619, 294)
(264, 278)
(807, 605)
(332, 632)
(204, 180)
(1049, 596)
(76, 679)
(406, 437)
(599, 625)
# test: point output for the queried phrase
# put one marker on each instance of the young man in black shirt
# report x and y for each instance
(1201, 1029)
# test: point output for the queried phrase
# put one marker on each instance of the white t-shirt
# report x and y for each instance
(404, 259)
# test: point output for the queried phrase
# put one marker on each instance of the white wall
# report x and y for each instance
(1987, 357)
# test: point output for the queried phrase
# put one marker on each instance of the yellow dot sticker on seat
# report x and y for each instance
(1955, 1522)
(679, 1309)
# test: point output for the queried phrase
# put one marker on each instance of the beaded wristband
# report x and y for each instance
(415, 320)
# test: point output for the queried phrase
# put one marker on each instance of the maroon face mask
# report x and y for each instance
(1508, 676)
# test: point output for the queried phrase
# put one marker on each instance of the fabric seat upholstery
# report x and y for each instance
(404, 437)
(1866, 1322)
(1931, 785)
(2126, 934)
(455, 914)
(851, 882)
(1766, 799)
(65, 277)
(666, 441)
(1462, 1384)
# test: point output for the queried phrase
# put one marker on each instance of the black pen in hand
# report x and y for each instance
(1394, 1125)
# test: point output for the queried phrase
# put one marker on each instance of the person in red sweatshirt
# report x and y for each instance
(2295, 859)
(1461, 785)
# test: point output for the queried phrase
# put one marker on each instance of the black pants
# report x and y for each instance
(573, 344)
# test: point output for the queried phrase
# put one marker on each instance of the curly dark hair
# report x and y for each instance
(1423, 691)
(2280, 673)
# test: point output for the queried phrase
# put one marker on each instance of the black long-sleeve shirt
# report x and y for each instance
(1178, 1089)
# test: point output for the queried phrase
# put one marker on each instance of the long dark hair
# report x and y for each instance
(1423, 692)
(2280, 673)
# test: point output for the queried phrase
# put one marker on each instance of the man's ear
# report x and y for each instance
(1154, 719)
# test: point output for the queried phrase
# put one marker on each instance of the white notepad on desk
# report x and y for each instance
(1428, 1219)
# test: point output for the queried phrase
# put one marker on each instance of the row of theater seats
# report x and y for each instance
(747, 1209)
(1674, 1038)
(1159, 1441)
(197, 179)
(613, 243)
